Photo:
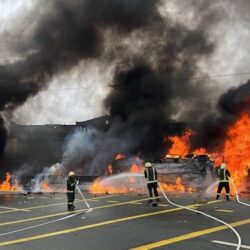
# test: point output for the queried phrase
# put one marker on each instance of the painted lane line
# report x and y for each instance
(204, 214)
(38, 225)
(224, 210)
(190, 236)
(104, 223)
(15, 209)
(57, 204)
(64, 213)
(229, 244)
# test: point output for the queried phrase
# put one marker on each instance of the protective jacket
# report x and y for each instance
(223, 174)
(71, 184)
(151, 175)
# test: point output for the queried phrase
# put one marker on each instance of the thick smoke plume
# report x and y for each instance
(212, 131)
(155, 59)
(67, 32)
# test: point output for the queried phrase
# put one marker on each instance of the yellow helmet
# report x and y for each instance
(148, 165)
(71, 173)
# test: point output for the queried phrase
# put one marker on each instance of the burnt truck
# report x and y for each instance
(195, 171)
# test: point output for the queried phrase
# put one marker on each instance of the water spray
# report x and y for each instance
(205, 214)
(85, 201)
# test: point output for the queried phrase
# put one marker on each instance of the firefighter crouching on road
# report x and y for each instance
(224, 176)
(71, 185)
(152, 182)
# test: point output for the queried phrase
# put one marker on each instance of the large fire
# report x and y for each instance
(237, 150)
(129, 184)
(8, 184)
(235, 153)
(180, 145)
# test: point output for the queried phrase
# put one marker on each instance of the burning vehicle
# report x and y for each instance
(192, 169)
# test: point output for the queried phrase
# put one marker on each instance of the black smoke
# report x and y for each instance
(66, 33)
(156, 61)
(212, 131)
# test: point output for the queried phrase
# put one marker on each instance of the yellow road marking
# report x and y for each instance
(108, 222)
(9, 209)
(163, 205)
(190, 235)
(136, 203)
(224, 210)
(82, 210)
(64, 213)
(55, 204)
(112, 201)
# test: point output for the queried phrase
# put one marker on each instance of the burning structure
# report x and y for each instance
(157, 64)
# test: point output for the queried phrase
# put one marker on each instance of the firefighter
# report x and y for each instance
(152, 182)
(71, 184)
(224, 176)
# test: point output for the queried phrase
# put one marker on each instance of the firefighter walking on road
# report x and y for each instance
(224, 176)
(152, 182)
(71, 185)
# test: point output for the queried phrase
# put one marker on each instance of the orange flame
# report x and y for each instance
(237, 149)
(180, 144)
(6, 185)
(177, 187)
(45, 187)
(136, 169)
(100, 187)
(110, 169)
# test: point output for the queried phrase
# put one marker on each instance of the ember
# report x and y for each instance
(119, 157)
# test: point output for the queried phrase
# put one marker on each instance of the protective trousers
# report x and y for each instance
(151, 187)
(220, 187)
(71, 199)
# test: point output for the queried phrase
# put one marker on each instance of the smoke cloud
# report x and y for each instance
(212, 131)
(156, 60)
(66, 33)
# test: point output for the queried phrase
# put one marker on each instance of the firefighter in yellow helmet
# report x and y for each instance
(71, 185)
(224, 176)
(152, 182)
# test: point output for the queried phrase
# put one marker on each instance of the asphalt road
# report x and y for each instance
(41, 221)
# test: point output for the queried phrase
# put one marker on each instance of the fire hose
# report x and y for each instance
(85, 201)
(237, 195)
(52, 221)
(205, 214)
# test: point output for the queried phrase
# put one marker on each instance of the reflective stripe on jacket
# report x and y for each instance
(223, 174)
(151, 175)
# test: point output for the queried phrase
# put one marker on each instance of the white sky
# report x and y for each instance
(89, 82)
